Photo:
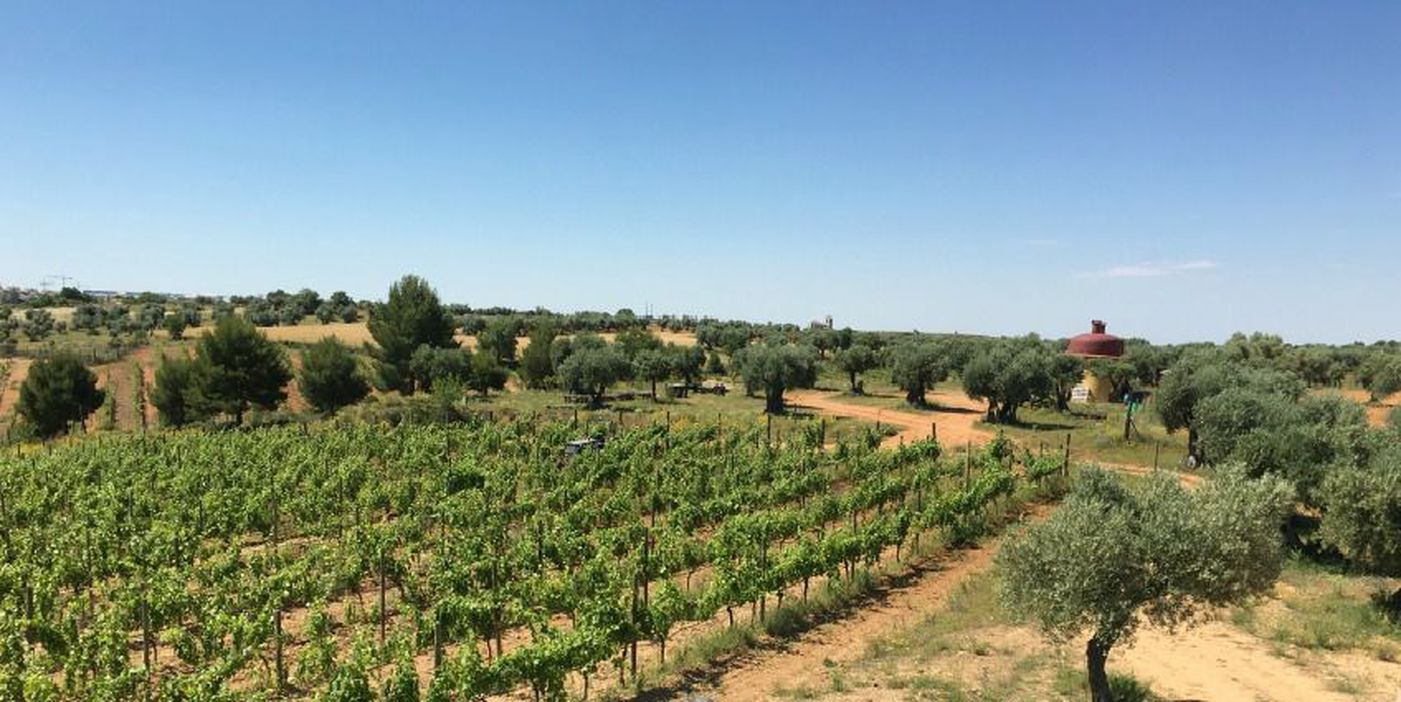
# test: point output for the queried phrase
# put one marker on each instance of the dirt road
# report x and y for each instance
(952, 415)
(757, 674)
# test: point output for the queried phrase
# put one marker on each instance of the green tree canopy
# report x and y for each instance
(636, 340)
(1011, 373)
(170, 396)
(774, 369)
(1361, 507)
(1202, 374)
(430, 364)
(915, 367)
(499, 339)
(236, 367)
(1113, 557)
(57, 391)
(412, 317)
(855, 360)
(486, 374)
(174, 325)
(653, 366)
(1381, 375)
(687, 362)
(537, 367)
(330, 377)
(591, 370)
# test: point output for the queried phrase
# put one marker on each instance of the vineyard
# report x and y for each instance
(465, 561)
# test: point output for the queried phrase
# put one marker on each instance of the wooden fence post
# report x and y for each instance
(1065, 466)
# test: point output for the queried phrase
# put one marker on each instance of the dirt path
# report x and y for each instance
(953, 417)
(757, 674)
(1377, 412)
(1219, 662)
(9, 391)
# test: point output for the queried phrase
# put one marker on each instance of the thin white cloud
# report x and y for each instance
(1039, 242)
(1152, 270)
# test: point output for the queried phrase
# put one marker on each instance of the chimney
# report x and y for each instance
(1096, 326)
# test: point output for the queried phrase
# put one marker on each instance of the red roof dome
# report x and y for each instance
(1096, 343)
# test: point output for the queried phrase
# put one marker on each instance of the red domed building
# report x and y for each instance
(1096, 344)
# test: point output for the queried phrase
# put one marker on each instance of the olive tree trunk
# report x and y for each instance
(1095, 655)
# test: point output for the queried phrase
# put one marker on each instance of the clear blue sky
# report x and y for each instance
(1180, 169)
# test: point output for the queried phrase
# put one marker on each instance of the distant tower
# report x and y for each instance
(829, 321)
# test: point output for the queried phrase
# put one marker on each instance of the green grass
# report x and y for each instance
(1323, 610)
(1071, 683)
(1097, 434)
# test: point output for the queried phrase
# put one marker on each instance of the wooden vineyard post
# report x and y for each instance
(437, 640)
(933, 431)
(1157, 448)
(768, 419)
(382, 614)
(277, 640)
(1065, 464)
(968, 464)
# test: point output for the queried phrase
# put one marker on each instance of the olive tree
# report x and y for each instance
(1382, 376)
(430, 364)
(1011, 374)
(652, 366)
(486, 374)
(1114, 558)
(38, 323)
(776, 368)
(57, 391)
(174, 325)
(915, 367)
(687, 362)
(856, 360)
(499, 339)
(1201, 375)
(591, 370)
(1361, 507)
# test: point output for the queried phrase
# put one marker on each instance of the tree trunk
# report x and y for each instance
(853, 381)
(1095, 654)
(773, 401)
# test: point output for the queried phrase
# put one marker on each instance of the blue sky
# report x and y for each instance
(1182, 170)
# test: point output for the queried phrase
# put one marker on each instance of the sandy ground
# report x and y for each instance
(1217, 661)
(952, 420)
(759, 673)
(9, 388)
(1376, 412)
